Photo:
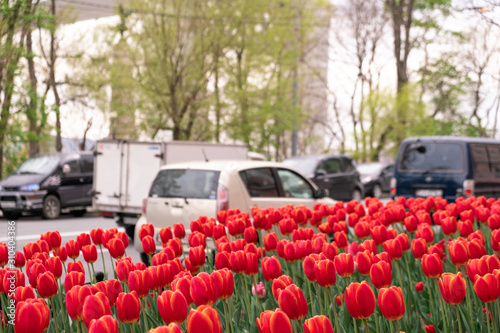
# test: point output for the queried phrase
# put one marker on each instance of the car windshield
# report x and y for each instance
(369, 169)
(432, 157)
(185, 183)
(42, 165)
(304, 166)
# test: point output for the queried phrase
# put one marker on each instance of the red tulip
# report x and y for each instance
(292, 301)
(76, 266)
(425, 231)
(55, 266)
(19, 259)
(123, 268)
(381, 275)
(62, 253)
(487, 287)
(453, 287)
(494, 222)
(324, 271)
(379, 234)
(419, 247)
(172, 328)
(183, 283)
(72, 248)
(393, 247)
(73, 279)
(147, 229)
(23, 293)
(391, 303)
(430, 329)
(364, 261)
(179, 230)
(172, 306)
(105, 324)
(223, 279)
(360, 300)
(203, 292)
(432, 265)
(274, 322)
(252, 267)
(53, 239)
(341, 239)
(74, 301)
(271, 268)
(110, 288)
(465, 228)
(31, 316)
(166, 234)
(419, 286)
(140, 282)
(308, 266)
(197, 256)
(148, 245)
(362, 230)
(96, 235)
(116, 248)
(238, 261)
(250, 235)
(330, 250)
(449, 225)
(94, 307)
(318, 324)
(410, 223)
(204, 319)
(279, 284)
(46, 285)
(83, 239)
(459, 251)
(344, 264)
(270, 242)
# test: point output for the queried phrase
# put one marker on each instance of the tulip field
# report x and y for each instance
(411, 265)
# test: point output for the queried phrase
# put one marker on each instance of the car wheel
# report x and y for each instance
(11, 216)
(356, 195)
(377, 191)
(79, 212)
(51, 207)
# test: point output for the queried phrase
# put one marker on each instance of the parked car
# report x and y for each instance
(336, 173)
(376, 178)
(47, 184)
(448, 167)
(183, 192)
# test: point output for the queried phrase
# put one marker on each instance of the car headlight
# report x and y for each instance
(30, 187)
(366, 179)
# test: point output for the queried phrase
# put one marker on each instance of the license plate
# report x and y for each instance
(8, 204)
(428, 193)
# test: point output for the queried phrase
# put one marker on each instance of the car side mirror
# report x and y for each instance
(320, 173)
(66, 169)
(321, 193)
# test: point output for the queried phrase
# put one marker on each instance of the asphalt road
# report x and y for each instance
(28, 229)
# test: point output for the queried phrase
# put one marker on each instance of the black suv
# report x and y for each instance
(336, 173)
(47, 184)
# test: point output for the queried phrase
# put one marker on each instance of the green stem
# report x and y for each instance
(294, 328)
(310, 296)
(137, 328)
(487, 318)
(146, 324)
(113, 266)
(459, 321)
(355, 325)
(498, 308)
(319, 300)
(230, 308)
(367, 329)
(397, 327)
(103, 264)
(493, 316)
(257, 299)
(82, 326)
(247, 298)
(402, 286)
(438, 294)
(225, 315)
(334, 310)
(55, 314)
(90, 274)
(390, 325)
(93, 271)
(293, 272)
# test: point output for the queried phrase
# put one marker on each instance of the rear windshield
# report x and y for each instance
(182, 183)
(438, 157)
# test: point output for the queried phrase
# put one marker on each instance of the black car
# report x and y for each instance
(335, 173)
(376, 177)
(46, 184)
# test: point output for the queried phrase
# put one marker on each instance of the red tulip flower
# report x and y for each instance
(123, 268)
(394, 248)
(46, 285)
(453, 287)
(379, 234)
(223, 279)
(238, 261)
(140, 282)
(147, 229)
(252, 267)
(31, 316)
(74, 301)
(203, 292)
(270, 242)
(449, 225)
(73, 279)
(19, 259)
(410, 223)
(116, 248)
(72, 248)
(381, 275)
(23, 293)
(330, 250)
(318, 324)
(166, 234)
(83, 239)
(494, 222)
(197, 256)
(324, 270)
(94, 307)
(55, 266)
(487, 287)
(53, 239)
(459, 251)
(292, 301)
(364, 261)
(279, 284)
(110, 288)
(430, 329)
(274, 322)
(76, 266)
(341, 239)
(172, 328)
(419, 286)
(344, 264)
(271, 268)
(96, 235)
(432, 265)
(425, 231)
(391, 303)
(465, 228)
(204, 319)
(179, 231)
(105, 324)
(148, 245)
(360, 300)
(172, 306)
(183, 283)
(308, 266)
(419, 247)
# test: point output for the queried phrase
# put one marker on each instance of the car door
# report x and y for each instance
(71, 182)
(262, 187)
(385, 178)
(349, 178)
(329, 176)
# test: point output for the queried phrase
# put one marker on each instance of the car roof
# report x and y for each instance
(451, 139)
(317, 157)
(221, 165)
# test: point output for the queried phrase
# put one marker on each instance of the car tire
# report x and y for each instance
(51, 207)
(377, 191)
(11, 216)
(79, 212)
(356, 195)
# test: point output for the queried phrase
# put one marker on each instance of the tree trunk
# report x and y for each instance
(53, 78)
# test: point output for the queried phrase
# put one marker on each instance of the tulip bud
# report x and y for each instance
(128, 307)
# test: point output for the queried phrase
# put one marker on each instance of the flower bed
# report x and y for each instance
(411, 265)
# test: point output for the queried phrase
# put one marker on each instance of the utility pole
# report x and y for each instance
(296, 81)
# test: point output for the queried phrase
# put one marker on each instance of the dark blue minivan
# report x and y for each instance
(448, 167)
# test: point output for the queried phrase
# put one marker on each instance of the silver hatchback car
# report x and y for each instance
(183, 192)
